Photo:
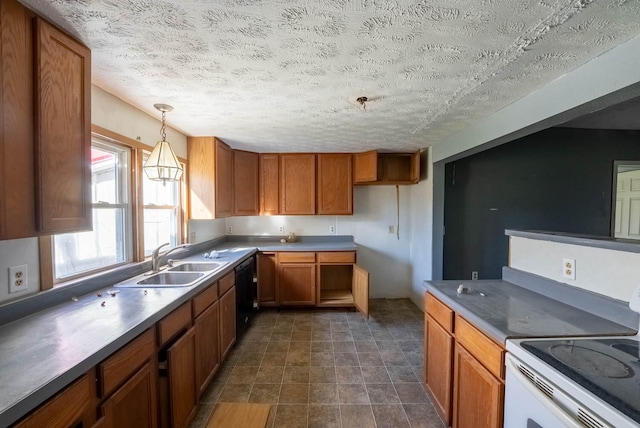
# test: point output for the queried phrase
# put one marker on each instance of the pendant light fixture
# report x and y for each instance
(162, 164)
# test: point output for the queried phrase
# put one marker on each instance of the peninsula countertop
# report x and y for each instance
(504, 310)
(43, 352)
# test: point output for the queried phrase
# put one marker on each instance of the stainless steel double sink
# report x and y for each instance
(181, 274)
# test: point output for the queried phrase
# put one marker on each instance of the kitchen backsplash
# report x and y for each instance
(19, 252)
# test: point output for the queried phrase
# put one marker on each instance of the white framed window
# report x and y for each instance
(132, 215)
(161, 212)
(110, 242)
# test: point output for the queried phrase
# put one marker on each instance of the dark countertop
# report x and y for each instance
(505, 310)
(593, 241)
(302, 243)
(43, 352)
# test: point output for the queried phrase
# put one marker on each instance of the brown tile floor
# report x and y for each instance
(330, 369)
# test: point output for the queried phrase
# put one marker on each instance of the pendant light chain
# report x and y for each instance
(163, 130)
(162, 163)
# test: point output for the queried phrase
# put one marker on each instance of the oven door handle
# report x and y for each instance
(542, 398)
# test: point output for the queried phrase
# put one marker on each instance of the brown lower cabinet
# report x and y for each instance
(181, 400)
(127, 384)
(464, 369)
(155, 380)
(439, 371)
(68, 408)
(267, 287)
(478, 395)
(134, 405)
(297, 283)
(227, 321)
(207, 352)
(320, 279)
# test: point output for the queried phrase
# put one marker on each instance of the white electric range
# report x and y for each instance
(577, 382)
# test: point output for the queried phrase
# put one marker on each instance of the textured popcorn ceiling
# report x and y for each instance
(283, 75)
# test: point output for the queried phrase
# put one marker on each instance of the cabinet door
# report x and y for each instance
(335, 184)
(297, 183)
(361, 290)
(122, 364)
(134, 404)
(63, 137)
(267, 290)
(245, 183)
(269, 184)
(68, 408)
(224, 180)
(438, 351)
(227, 322)
(207, 347)
(17, 188)
(365, 168)
(201, 152)
(183, 394)
(297, 283)
(210, 172)
(478, 396)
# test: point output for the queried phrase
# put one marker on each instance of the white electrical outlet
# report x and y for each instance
(569, 268)
(332, 229)
(192, 237)
(18, 279)
(392, 229)
(281, 229)
(474, 275)
(229, 230)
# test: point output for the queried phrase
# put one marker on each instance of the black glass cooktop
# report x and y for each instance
(608, 368)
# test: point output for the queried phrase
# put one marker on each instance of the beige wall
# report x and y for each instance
(117, 116)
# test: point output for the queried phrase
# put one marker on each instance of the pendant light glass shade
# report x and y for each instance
(162, 164)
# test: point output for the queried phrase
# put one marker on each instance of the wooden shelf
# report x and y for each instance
(386, 168)
(338, 297)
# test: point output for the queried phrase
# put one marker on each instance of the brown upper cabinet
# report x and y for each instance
(226, 182)
(269, 184)
(335, 184)
(210, 178)
(246, 167)
(386, 168)
(63, 139)
(17, 203)
(45, 96)
(297, 183)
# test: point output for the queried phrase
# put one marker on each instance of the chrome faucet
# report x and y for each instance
(156, 256)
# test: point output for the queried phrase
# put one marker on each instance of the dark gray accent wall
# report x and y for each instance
(558, 179)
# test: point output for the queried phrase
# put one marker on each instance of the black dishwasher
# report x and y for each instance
(245, 296)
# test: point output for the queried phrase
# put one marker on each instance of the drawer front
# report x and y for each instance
(485, 350)
(71, 407)
(119, 367)
(173, 323)
(203, 300)
(296, 257)
(225, 284)
(439, 312)
(337, 257)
